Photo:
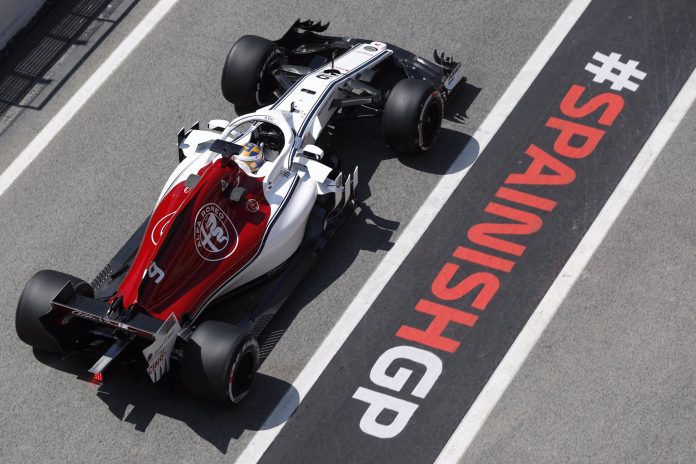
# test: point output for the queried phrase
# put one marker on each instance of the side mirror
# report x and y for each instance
(314, 152)
(218, 124)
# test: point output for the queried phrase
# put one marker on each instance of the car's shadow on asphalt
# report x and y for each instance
(128, 392)
(131, 397)
(360, 143)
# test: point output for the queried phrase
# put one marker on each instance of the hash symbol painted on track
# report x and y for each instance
(619, 81)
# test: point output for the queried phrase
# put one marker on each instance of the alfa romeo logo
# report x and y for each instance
(214, 234)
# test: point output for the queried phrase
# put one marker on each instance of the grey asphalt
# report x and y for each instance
(98, 180)
(613, 377)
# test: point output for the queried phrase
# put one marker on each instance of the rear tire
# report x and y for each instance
(412, 117)
(247, 81)
(219, 363)
(35, 302)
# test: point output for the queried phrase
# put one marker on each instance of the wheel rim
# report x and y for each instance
(429, 126)
(241, 378)
(266, 82)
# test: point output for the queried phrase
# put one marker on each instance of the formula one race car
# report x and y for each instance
(244, 215)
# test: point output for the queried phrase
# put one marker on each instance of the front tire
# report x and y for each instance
(219, 363)
(35, 302)
(412, 117)
(247, 81)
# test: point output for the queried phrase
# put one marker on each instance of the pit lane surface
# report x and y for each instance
(483, 333)
(99, 177)
(612, 378)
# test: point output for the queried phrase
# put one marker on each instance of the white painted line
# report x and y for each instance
(490, 395)
(89, 88)
(413, 231)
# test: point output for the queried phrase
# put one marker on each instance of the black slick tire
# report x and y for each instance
(412, 117)
(219, 363)
(35, 302)
(247, 81)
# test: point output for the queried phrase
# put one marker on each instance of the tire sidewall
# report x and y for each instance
(408, 105)
(261, 97)
(35, 303)
(247, 81)
(249, 347)
(434, 98)
(212, 356)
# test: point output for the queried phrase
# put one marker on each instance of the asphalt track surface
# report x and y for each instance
(611, 380)
(618, 388)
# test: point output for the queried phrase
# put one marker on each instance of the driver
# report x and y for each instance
(251, 155)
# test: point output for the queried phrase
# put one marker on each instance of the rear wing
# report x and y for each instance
(162, 334)
(141, 324)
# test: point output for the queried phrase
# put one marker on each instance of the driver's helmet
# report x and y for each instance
(251, 155)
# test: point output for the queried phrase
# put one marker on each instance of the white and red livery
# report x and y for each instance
(225, 245)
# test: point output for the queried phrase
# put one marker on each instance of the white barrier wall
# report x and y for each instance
(14, 15)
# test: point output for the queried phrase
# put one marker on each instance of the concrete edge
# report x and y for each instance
(14, 15)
